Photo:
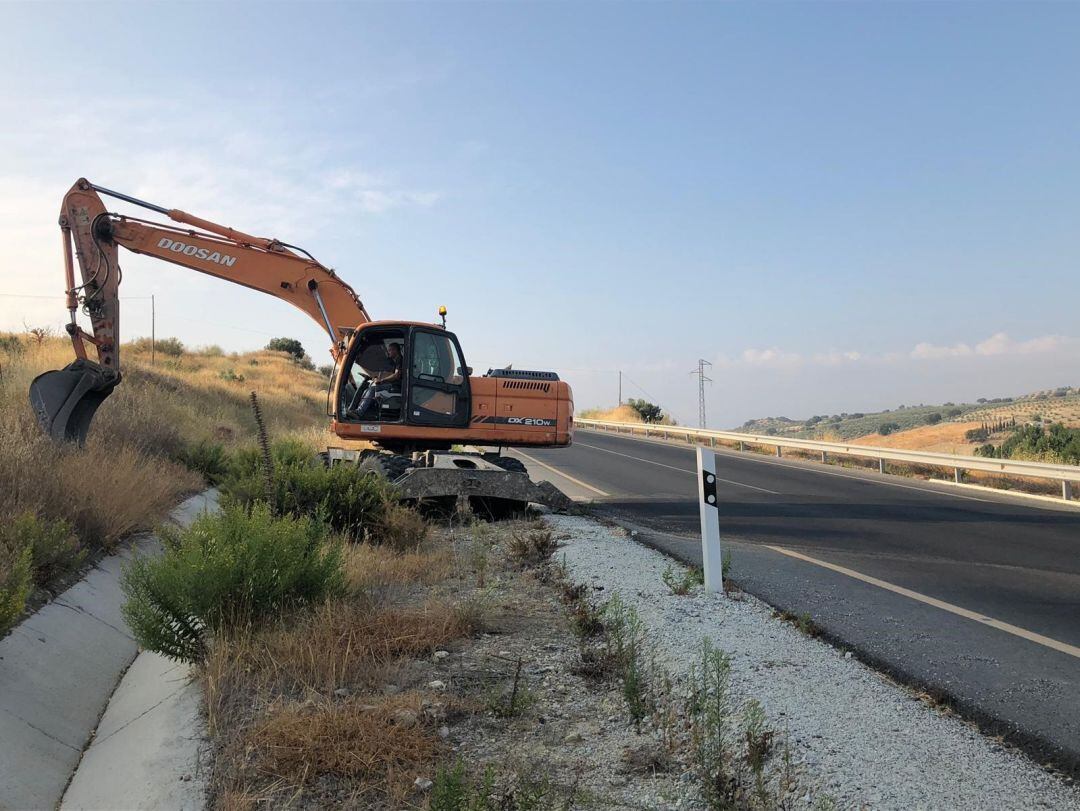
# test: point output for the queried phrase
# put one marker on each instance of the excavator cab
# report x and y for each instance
(412, 374)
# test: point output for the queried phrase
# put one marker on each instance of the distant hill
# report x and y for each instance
(930, 427)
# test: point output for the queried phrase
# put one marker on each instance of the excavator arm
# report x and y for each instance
(65, 400)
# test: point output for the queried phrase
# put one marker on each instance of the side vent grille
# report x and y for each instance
(531, 385)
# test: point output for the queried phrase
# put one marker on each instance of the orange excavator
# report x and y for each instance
(401, 385)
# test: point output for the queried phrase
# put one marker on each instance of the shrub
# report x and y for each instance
(887, 428)
(357, 504)
(533, 548)
(326, 371)
(684, 581)
(288, 345)
(933, 418)
(206, 458)
(15, 575)
(226, 569)
(54, 549)
(709, 710)
(1054, 443)
(11, 345)
(173, 347)
(646, 410)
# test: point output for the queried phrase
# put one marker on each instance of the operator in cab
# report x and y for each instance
(383, 384)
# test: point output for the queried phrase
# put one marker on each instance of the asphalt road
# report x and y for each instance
(974, 598)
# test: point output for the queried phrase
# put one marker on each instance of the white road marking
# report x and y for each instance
(1015, 630)
(566, 476)
(672, 467)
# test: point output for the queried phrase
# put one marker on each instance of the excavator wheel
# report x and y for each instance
(388, 466)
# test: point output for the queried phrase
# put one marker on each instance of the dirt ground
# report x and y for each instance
(498, 693)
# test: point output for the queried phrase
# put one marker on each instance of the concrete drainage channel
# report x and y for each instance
(86, 720)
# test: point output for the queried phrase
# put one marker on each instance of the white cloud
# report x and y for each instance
(927, 351)
(996, 345)
(1002, 344)
(770, 357)
(837, 358)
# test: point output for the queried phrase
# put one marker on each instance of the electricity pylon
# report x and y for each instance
(702, 380)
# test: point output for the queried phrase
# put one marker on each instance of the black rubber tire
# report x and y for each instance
(509, 463)
(388, 466)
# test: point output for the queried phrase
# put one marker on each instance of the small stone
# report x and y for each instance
(573, 737)
(848, 655)
(441, 654)
(422, 783)
(437, 685)
(444, 732)
(404, 717)
(342, 692)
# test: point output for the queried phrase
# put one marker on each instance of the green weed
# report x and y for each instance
(228, 568)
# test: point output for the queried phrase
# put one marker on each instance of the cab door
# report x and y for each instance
(438, 382)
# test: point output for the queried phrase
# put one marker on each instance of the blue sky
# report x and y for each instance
(842, 206)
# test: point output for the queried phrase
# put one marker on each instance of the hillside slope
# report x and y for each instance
(70, 503)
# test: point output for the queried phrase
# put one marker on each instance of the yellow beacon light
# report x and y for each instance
(442, 314)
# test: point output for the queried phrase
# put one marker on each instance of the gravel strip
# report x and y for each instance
(858, 738)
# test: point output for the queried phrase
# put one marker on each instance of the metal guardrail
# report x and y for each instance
(1035, 470)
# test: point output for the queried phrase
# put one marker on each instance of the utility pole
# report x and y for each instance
(620, 387)
(153, 329)
(702, 380)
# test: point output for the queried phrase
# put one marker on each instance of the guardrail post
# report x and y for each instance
(711, 557)
(958, 475)
(778, 453)
(742, 445)
(1066, 490)
(687, 437)
(824, 457)
(881, 465)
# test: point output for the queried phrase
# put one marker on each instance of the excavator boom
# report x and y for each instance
(65, 400)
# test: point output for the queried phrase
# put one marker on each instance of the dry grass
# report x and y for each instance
(125, 478)
(622, 413)
(378, 747)
(371, 567)
(340, 644)
(295, 707)
(945, 437)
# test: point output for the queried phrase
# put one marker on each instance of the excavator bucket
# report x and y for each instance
(64, 401)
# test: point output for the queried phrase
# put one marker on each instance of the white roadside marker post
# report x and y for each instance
(711, 557)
